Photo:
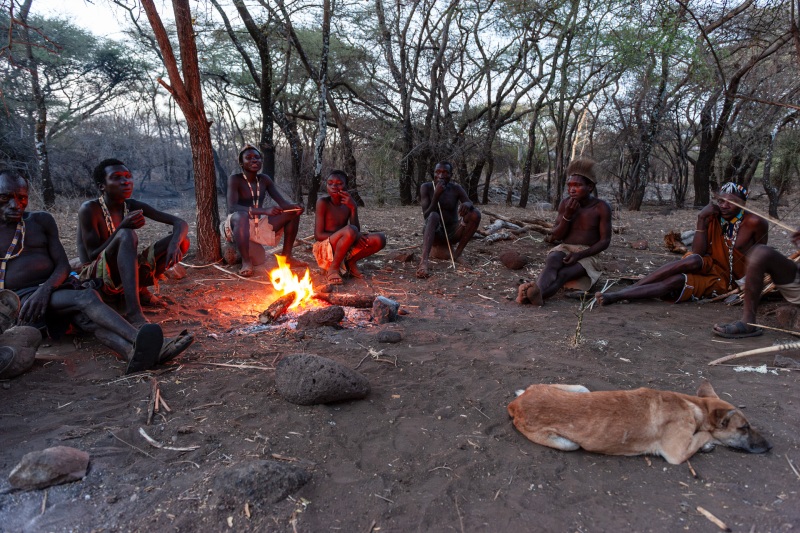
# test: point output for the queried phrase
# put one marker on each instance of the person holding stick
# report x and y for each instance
(450, 218)
(340, 242)
(250, 226)
(725, 234)
(583, 225)
(785, 274)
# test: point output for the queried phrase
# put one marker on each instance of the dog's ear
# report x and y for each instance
(706, 390)
(721, 417)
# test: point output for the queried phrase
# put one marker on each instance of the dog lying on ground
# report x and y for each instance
(641, 421)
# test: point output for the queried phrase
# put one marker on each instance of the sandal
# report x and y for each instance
(333, 277)
(174, 346)
(736, 330)
(146, 348)
(9, 309)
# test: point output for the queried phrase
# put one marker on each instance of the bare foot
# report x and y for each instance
(604, 299)
(354, 271)
(422, 270)
(246, 271)
(333, 277)
(148, 299)
(295, 263)
(530, 293)
(462, 261)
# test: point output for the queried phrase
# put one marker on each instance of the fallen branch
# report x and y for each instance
(360, 301)
(152, 406)
(233, 366)
(769, 349)
(153, 442)
(716, 521)
(277, 308)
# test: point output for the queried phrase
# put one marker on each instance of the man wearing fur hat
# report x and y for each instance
(583, 226)
(724, 236)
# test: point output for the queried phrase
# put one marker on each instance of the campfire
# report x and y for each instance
(286, 282)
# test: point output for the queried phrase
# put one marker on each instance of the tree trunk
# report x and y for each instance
(188, 94)
(322, 116)
(40, 124)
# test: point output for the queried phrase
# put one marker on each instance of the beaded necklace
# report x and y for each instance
(19, 236)
(110, 223)
(730, 230)
(255, 197)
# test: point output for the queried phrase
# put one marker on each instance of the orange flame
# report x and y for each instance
(286, 281)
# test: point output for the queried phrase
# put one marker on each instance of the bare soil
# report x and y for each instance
(432, 447)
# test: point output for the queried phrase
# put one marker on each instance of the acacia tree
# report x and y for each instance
(188, 94)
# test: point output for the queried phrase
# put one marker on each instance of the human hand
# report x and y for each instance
(464, 208)
(133, 220)
(34, 307)
(300, 209)
(174, 255)
(347, 200)
(439, 187)
(571, 207)
(572, 258)
(272, 211)
(709, 213)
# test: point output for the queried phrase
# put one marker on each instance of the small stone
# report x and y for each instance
(390, 337)
(384, 310)
(176, 272)
(316, 318)
(639, 245)
(259, 483)
(786, 362)
(306, 379)
(512, 260)
(53, 466)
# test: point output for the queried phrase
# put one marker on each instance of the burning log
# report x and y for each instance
(277, 308)
(347, 300)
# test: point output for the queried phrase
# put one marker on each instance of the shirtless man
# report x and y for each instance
(784, 272)
(444, 196)
(583, 225)
(108, 243)
(340, 243)
(35, 267)
(725, 234)
(246, 194)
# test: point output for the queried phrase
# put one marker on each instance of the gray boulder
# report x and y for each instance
(325, 316)
(384, 310)
(390, 337)
(305, 379)
(257, 482)
(53, 466)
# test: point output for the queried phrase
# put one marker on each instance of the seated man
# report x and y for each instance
(785, 274)
(583, 225)
(725, 234)
(441, 211)
(35, 267)
(340, 243)
(249, 225)
(108, 244)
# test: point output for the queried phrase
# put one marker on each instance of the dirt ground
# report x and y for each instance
(432, 447)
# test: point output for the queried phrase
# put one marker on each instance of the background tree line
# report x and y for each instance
(669, 95)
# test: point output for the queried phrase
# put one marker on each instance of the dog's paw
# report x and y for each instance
(519, 392)
(708, 447)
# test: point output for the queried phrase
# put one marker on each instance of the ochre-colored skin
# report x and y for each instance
(641, 421)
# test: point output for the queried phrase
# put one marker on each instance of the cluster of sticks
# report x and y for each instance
(505, 228)
(279, 307)
(156, 401)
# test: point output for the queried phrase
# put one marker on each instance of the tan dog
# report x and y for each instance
(641, 421)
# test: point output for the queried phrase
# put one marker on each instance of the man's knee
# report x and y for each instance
(554, 260)
(184, 245)
(760, 255)
(126, 237)
(87, 298)
(433, 220)
(239, 218)
(473, 217)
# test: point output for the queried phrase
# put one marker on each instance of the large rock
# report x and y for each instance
(512, 260)
(390, 337)
(52, 466)
(18, 347)
(325, 316)
(305, 379)
(384, 310)
(257, 483)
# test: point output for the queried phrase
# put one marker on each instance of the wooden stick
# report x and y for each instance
(796, 473)
(768, 349)
(449, 249)
(234, 366)
(765, 217)
(153, 442)
(691, 469)
(795, 333)
(163, 403)
(151, 405)
(716, 521)
(720, 297)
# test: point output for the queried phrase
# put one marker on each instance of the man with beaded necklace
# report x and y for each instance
(32, 280)
(724, 235)
(108, 243)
